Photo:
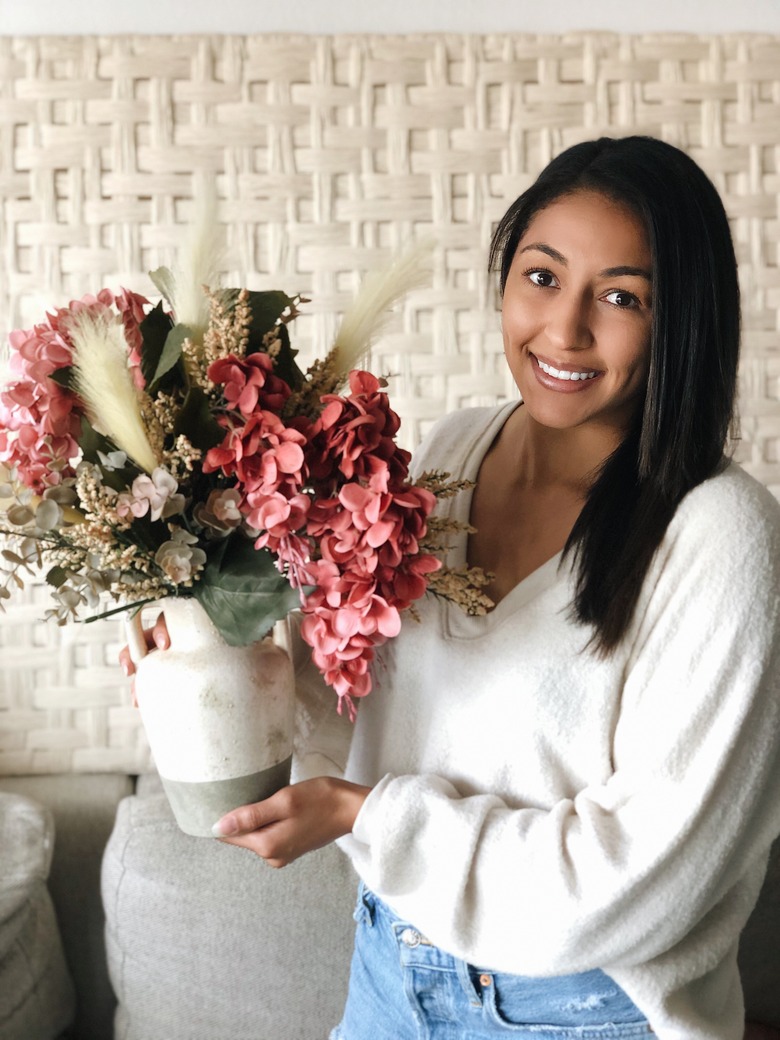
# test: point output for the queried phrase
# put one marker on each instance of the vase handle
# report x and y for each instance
(134, 631)
(281, 636)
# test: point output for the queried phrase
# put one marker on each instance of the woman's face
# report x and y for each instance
(576, 313)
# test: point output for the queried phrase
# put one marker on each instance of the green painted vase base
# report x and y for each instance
(198, 806)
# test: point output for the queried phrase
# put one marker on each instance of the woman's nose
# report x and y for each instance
(569, 322)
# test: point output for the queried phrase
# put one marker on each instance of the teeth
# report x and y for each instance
(564, 375)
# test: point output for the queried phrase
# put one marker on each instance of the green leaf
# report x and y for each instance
(56, 576)
(197, 423)
(165, 283)
(154, 330)
(91, 442)
(284, 362)
(267, 308)
(171, 351)
(64, 377)
(242, 591)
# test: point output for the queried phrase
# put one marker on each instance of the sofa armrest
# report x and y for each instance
(83, 808)
(206, 942)
(36, 992)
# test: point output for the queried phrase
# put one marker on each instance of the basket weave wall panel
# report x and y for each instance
(328, 153)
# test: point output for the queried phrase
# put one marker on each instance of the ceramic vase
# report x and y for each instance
(219, 718)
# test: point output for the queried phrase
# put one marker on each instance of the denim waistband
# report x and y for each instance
(585, 1004)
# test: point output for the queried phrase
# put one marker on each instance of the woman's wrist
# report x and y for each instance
(350, 799)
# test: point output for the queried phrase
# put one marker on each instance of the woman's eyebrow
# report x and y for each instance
(608, 272)
(616, 272)
(542, 248)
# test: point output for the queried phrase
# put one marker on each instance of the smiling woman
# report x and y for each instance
(671, 353)
(577, 320)
(561, 812)
(567, 805)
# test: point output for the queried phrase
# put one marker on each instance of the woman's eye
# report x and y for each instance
(622, 299)
(542, 278)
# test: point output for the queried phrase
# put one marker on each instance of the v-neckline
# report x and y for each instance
(457, 622)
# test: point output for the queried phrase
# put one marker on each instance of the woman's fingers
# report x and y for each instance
(125, 660)
(160, 636)
(156, 637)
(298, 819)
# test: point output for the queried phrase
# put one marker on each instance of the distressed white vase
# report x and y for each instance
(219, 718)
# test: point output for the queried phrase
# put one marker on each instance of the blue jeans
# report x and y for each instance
(403, 988)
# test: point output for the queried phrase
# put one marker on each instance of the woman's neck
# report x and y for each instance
(539, 456)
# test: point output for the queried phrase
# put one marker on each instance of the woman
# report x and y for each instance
(561, 812)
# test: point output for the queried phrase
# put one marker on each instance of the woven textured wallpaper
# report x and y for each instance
(327, 154)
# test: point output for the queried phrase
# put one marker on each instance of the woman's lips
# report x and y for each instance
(570, 379)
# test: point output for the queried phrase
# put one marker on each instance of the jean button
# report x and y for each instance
(410, 937)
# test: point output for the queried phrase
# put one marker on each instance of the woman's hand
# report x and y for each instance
(156, 637)
(295, 820)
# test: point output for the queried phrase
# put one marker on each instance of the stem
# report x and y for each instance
(118, 610)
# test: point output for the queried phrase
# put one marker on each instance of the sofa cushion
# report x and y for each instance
(36, 993)
(206, 942)
(759, 950)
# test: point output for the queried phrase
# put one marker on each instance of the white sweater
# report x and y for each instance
(537, 810)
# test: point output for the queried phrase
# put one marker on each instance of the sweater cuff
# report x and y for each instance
(366, 821)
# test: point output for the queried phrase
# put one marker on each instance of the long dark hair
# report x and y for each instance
(679, 436)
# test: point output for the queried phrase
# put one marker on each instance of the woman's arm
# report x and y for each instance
(622, 871)
(296, 820)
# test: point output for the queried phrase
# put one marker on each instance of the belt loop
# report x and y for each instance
(466, 981)
(366, 897)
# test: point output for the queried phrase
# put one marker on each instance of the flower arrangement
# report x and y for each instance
(178, 449)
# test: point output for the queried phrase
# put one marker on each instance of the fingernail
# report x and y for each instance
(159, 641)
(125, 668)
(225, 827)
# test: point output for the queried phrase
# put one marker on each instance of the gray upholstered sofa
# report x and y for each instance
(192, 939)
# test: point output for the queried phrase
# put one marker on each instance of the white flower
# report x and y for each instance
(68, 601)
(220, 513)
(112, 460)
(95, 582)
(156, 493)
(180, 558)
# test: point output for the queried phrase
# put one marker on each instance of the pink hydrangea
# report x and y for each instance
(331, 500)
(263, 453)
(344, 621)
(249, 382)
(40, 421)
(355, 432)
(132, 309)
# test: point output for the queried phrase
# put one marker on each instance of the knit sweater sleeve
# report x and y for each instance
(623, 870)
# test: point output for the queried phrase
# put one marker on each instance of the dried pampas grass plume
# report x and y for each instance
(198, 262)
(104, 383)
(370, 311)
